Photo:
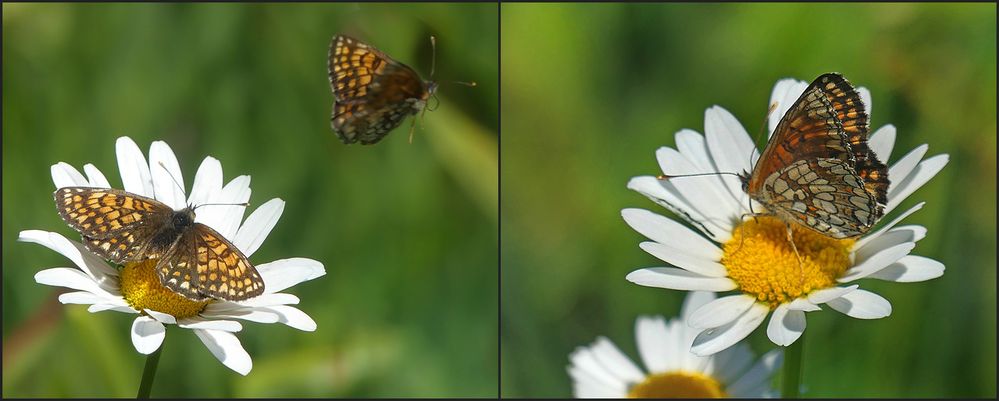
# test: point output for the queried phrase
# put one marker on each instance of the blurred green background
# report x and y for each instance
(407, 232)
(591, 91)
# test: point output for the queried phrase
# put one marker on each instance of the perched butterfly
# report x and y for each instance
(372, 93)
(194, 260)
(817, 170)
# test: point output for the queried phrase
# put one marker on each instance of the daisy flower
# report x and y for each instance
(728, 251)
(601, 370)
(136, 288)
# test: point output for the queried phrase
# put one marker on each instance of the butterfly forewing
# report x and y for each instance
(372, 93)
(194, 260)
(817, 169)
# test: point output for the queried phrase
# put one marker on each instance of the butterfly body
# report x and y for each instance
(817, 170)
(372, 92)
(194, 260)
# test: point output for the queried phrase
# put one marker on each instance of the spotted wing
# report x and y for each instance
(822, 194)
(204, 265)
(115, 224)
(372, 93)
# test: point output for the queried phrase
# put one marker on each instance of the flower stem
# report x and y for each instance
(791, 380)
(148, 373)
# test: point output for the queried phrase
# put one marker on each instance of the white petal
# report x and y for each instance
(133, 168)
(147, 334)
(903, 167)
(695, 150)
(161, 317)
(281, 274)
(758, 376)
(895, 236)
(804, 305)
(236, 192)
(705, 193)
(293, 317)
(616, 363)
(679, 279)
(865, 97)
(882, 141)
(108, 306)
(97, 269)
(680, 258)
(694, 301)
(876, 262)
(721, 311)
(667, 231)
(870, 237)
(227, 349)
(204, 324)
(665, 194)
(731, 147)
(207, 183)
(256, 227)
(651, 338)
(910, 269)
(923, 173)
(711, 341)
(64, 175)
(826, 294)
(95, 177)
(269, 299)
(587, 369)
(862, 304)
(586, 385)
(248, 314)
(784, 94)
(786, 325)
(81, 298)
(168, 182)
(70, 278)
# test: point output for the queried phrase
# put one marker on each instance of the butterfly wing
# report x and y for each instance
(203, 264)
(372, 92)
(826, 128)
(115, 224)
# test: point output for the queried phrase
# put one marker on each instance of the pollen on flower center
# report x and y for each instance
(140, 285)
(677, 384)
(759, 258)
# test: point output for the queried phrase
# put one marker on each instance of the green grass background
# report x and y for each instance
(590, 91)
(407, 232)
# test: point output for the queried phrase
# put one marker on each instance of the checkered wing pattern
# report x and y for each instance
(115, 224)
(372, 93)
(817, 169)
(193, 259)
(203, 264)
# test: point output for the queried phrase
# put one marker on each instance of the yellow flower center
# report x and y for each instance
(760, 259)
(677, 384)
(140, 285)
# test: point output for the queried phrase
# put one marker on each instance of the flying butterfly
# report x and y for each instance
(817, 169)
(372, 93)
(193, 259)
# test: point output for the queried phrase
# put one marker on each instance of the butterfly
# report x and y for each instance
(372, 93)
(817, 170)
(193, 259)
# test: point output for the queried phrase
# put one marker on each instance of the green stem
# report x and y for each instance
(148, 373)
(791, 381)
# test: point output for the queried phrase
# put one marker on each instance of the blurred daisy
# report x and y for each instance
(601, 370)
(752, 255)
(136, 288)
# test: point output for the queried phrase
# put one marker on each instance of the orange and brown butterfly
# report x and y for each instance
(372, 93)
(817, 170)
(193, 259)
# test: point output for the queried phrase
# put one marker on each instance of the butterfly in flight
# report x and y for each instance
(817, 170)
(193, 259)
(372, 93)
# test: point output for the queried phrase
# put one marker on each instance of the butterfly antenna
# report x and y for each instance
(433, 56)
(172, 178)
(666, 177)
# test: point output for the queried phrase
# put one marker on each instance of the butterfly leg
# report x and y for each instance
(790, 238)
(411, 128)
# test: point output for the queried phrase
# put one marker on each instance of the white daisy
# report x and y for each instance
(729, 251)
(136, 288)
(601, 370)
